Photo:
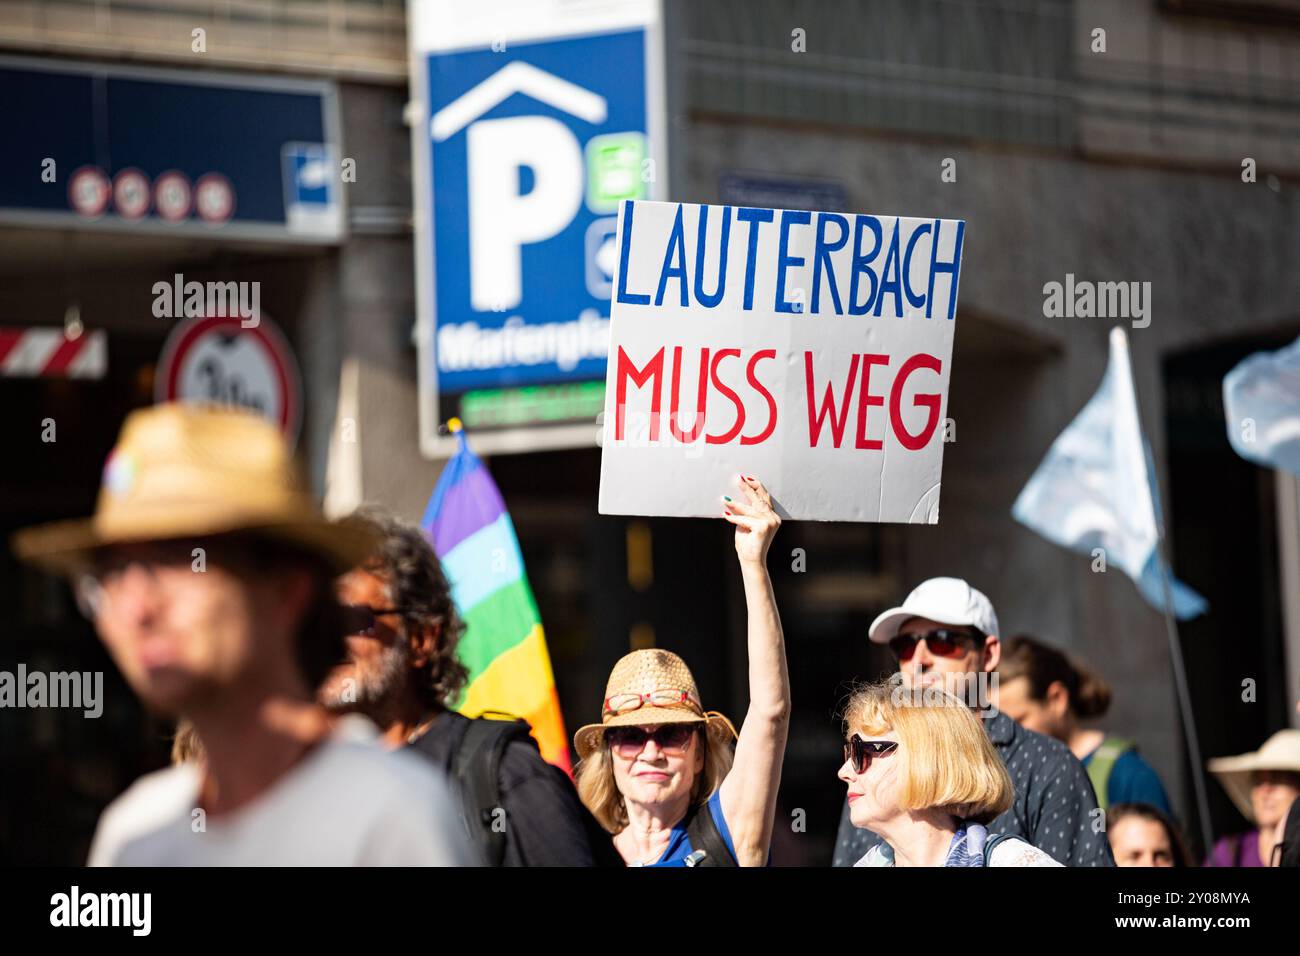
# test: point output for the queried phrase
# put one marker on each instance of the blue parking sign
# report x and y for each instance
(531, 149)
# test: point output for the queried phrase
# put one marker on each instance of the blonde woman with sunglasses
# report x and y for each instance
(659, 771)
(922, 774)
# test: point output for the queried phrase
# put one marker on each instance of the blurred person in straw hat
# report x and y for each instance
(658, 771)
(208, 572)
(1263, 784)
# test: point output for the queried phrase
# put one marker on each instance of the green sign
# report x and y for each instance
(532, 405)
(614, 170)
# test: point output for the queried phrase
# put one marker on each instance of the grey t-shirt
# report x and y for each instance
(347, 803)
(1053, 809)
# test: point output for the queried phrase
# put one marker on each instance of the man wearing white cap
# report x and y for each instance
(944, 636)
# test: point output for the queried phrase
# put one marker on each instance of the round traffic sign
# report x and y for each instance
(214, 198)
(131, 193)
(88, 191)
(216, 360)
(172, 195)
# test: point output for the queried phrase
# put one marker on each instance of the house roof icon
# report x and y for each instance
(517, 77)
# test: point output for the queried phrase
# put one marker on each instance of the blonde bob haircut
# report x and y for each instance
(948, 762)
(599, 793)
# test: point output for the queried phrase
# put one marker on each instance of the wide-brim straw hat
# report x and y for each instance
(180, 471)
(1280, 752)
(644, 672)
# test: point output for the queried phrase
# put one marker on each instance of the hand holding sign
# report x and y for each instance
(756, 523)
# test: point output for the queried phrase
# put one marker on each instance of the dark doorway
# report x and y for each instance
(1222, 514)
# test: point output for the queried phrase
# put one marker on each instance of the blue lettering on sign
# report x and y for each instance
(952, 267)
(784, 260)
(822, 259)
(706, 300)
(893, 277)
(625, 256)
(891, 285)
(678, 268)
(755, 218)
(862, 260)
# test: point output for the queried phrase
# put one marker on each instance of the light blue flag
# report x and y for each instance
(1261, 403)
(1096, 488)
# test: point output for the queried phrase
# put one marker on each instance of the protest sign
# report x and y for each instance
(809, 349)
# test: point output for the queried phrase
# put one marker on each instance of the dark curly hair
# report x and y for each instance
(407, 563)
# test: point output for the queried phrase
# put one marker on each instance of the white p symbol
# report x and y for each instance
(501, 218)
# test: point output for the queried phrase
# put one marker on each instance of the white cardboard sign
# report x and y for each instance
(809, 349)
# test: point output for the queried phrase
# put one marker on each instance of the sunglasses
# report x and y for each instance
(941, 642)
(862, 751)
(665, 697)
(362, 618)
(670, 738)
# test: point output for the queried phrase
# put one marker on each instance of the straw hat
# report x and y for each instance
(1280, 752)
(643, 672)
(179, 471)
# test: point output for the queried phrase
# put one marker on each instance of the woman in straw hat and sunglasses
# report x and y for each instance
(658, 771)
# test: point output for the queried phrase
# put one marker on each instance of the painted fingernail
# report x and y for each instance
(726, 512)
(726, 498)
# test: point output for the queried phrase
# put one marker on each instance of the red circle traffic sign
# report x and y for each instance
(216, 360)
(88, 191)
(131, 196)
(214, 198)
(172, 195)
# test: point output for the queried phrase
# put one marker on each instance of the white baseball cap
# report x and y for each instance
(944, 600)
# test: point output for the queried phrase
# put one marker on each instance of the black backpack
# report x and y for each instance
(476, 770)
(708, 847)
(471, 752)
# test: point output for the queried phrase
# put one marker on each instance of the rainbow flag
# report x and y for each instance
(503, 646)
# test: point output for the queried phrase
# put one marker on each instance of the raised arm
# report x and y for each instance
(749, 790)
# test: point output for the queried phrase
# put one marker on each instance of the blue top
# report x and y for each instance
(1133, 780)
(679, 844)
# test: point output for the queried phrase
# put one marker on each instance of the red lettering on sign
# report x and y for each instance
(865, 401)
(701, 397)
(771, 402)
(731, 433)
(817, 416)
(626, 369)
(929, 400)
